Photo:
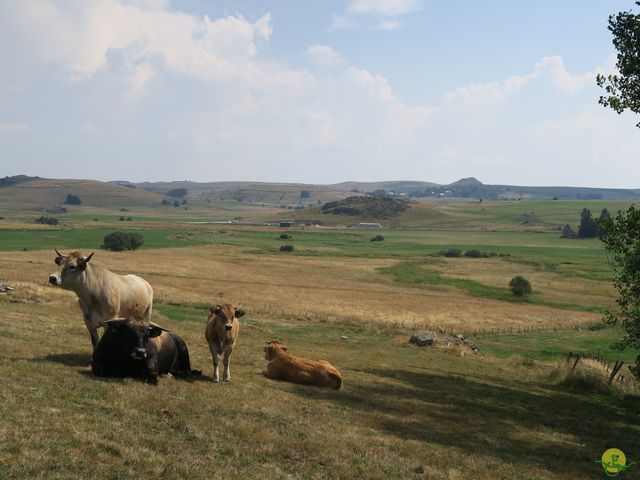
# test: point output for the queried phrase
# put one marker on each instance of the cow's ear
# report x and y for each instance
(59, 258)
(155, 331)
(239, 313)
(215, 309)
(82, 263)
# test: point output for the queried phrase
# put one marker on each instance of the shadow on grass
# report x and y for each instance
(162, 378)
(552, 430)
(68, 359)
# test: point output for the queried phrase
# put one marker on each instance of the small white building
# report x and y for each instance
(370, 225)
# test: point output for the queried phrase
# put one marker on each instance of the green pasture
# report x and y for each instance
(545, 345)
(544, 251)
(541, 213)
(88, 238)
(419, 273)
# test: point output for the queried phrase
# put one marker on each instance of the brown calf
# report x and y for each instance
(283, 366)
(221, 334)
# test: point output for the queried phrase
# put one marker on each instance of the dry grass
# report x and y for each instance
(405, 412)
(46, 192)
(342, 288)
(556, 288)
(592, 376)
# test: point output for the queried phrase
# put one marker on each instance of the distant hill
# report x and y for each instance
(257, 192)
(291, 193)
(41, 193)
(15, 180)
(25, 192)
(373, 207)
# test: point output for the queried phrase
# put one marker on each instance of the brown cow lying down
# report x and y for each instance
(283, 366)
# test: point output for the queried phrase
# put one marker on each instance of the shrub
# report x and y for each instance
(452, 252)
(177, 192)
(286, 248)
(520, 286)
(285, 236)
(121, 219)
(473, 253)
(119, 241)
(72, 200)
(597, 326)
(47, 220)
(377, 238)
(176, 203)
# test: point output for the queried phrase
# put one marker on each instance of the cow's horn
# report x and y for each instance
(116, 320)
(158, 326)
(59, 254)
(89, 257)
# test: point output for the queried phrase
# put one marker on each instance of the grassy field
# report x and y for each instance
(405, 412)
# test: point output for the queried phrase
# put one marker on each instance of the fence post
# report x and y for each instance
(615, 370)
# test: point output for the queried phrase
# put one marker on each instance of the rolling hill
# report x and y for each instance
(42, 193)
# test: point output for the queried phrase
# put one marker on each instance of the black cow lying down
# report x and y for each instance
(139, 348)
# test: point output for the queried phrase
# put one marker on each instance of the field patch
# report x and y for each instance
(404, 411)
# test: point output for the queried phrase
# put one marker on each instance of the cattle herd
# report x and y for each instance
(134, 346)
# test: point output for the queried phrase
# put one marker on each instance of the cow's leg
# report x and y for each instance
(152, 370)
(226, 375)
(216, 361)
(93, 331)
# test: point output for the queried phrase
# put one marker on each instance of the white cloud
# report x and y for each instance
(386, 8)
(180, 96)
(384, 13)
(13, 128)
(323, 55)
(88, 128)
(340, 23)
(389, 24)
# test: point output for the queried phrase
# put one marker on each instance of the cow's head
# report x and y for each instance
(224, 315)
(72, 266)
(133, 334)
(273, 348)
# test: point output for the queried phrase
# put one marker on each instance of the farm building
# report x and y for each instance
(288, 223)
(370, 225)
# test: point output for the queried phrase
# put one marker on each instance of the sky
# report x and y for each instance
(313, 91)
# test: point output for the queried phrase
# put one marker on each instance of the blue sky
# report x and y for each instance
(316, 92)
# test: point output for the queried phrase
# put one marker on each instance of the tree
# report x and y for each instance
(72, 200)
(624, 249)
(604, 215)
(623, 89)
(520, 286)
(567, 232)
(305, 194)
(178, 192)
(119, 241)
(588, 227)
